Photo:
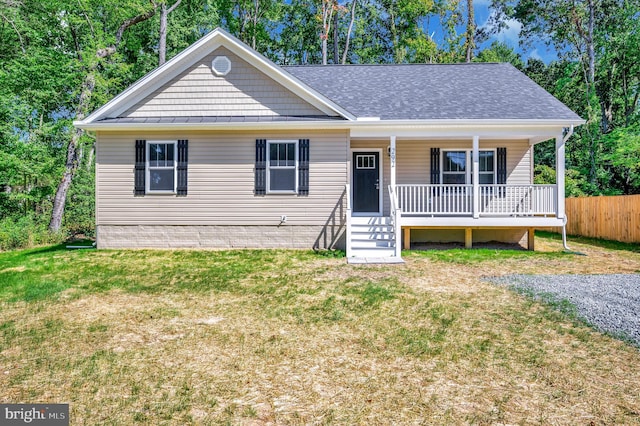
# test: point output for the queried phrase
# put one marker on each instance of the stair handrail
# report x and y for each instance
(396, 215)
(347, 233)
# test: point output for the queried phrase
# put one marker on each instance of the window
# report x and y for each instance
(487, 168)
(282, 165)
(454, 167)
(161, 167)
(456, 172)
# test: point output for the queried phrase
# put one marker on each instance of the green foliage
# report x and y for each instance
(622, 153)
(500, 52)
(575, 184)
(25, 231)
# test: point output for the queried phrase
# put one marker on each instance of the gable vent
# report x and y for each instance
(221, 65)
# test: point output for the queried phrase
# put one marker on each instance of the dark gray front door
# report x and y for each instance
(366, 183)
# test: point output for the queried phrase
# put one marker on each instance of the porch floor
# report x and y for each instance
(374, 260)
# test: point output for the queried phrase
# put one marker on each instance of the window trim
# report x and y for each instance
(469, 170)
(295, 167)
(147, 167)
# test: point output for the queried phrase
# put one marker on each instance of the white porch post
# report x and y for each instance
(560, 175)
(392, 156)
(476, 176)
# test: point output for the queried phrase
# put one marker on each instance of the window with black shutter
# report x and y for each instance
(183, 159)
(161, 167)
(140, 172)
(435, 165)
(501, 160)
(282, 167)
(303, 167)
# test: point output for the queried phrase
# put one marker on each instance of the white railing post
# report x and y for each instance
(560, 175)
(396, 217)
(347, 194)
(476, 177)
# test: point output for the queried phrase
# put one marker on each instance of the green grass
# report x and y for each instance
(597, 242)
(44, 273)
(479, 255)
(299, 337)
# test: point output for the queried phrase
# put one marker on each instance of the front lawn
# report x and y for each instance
(295, 337)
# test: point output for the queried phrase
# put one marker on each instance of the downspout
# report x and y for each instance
(564, 220)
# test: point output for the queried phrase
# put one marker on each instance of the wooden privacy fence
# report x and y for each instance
(611, 218)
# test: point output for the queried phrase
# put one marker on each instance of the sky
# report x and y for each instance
(511, 35)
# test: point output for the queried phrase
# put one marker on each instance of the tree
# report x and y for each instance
(98, 48)
(162, 44)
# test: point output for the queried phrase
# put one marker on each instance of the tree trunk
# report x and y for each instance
(71, 164)
(346, 43)
(591, 42)
(336, 34)
(88, 86)
(471, 31)
(162, 43)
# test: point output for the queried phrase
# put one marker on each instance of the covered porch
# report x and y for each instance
(472, 184)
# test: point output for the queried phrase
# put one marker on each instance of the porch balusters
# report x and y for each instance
(494, 200)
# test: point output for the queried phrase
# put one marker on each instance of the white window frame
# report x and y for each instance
(468, 166)
(294, 167)
(148, 167)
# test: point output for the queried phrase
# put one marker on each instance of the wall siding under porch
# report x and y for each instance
(221, 184)
(413, 159)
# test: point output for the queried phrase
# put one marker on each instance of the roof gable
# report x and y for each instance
(148, 88)
(244, 91)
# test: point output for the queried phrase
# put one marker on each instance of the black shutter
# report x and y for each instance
(501, 160)
(141, 159)
(183, 159)
(435, 165)
(261, 167)
(303, 167)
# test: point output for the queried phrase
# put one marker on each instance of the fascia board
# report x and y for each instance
(217, 38)
(406, 128)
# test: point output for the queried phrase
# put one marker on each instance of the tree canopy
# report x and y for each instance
(61, 59)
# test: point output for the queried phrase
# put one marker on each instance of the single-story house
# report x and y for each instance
(222, 148)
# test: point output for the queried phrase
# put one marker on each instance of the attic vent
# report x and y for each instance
(221, 65)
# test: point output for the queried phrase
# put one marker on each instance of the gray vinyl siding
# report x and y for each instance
(244, 91)
(220, 181)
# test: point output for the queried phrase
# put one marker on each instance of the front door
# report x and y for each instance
(366, 182)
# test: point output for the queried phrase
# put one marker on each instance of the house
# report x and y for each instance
(222, 148)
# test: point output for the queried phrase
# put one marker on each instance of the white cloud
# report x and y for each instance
(534, 55)
(511, 33)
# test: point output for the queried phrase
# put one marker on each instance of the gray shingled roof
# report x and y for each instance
(431, 92)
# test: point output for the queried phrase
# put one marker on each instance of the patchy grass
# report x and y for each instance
(294, 337)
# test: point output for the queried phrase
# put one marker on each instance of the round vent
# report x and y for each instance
(221, 65)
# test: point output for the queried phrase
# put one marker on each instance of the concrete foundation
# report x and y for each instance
(218, 236)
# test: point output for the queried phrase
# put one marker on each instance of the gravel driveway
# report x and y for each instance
(611, 303)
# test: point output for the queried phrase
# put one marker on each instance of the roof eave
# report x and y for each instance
(388, 125)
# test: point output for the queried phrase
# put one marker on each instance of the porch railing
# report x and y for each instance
(525, 200)
(494, 200)
(435, 199)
